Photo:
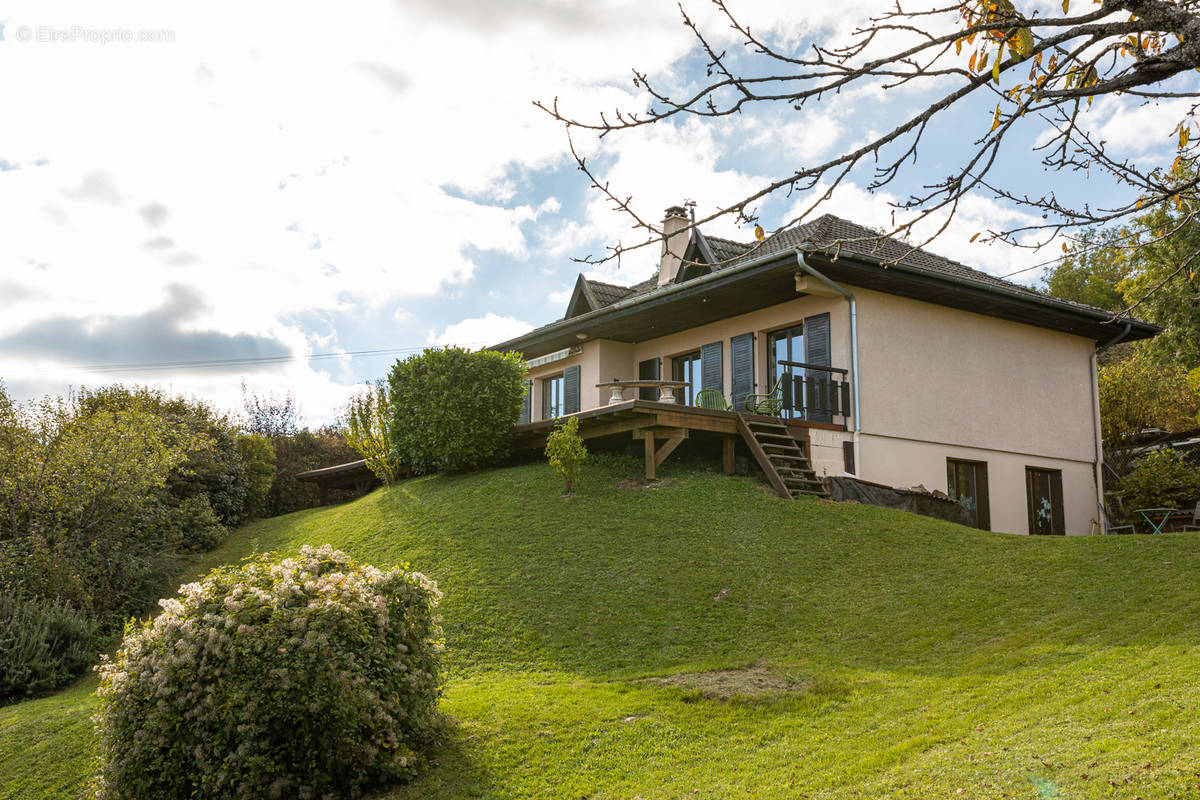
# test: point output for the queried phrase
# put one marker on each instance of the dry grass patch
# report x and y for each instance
(726, 684)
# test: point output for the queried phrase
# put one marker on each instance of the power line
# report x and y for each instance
(162, 366)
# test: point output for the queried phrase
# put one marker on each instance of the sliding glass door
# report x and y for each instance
(785, 345)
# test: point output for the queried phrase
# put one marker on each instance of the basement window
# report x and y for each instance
(1043, 487)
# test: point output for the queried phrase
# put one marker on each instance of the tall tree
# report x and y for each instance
(1137, 395)
(1147, 267)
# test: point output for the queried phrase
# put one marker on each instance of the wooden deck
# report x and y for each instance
(662, 427)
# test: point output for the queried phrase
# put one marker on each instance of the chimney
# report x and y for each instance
(675, 242)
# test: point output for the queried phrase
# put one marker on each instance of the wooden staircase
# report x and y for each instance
(780, 456)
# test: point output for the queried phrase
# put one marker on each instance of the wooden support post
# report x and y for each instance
(656, 456)
(727, 449)
(668, 447)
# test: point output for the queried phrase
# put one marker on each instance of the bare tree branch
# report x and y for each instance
(1044, 69)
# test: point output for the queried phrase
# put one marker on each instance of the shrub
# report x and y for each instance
(213, 468)
(1162, 479)
(454, 410)
(197, 524)
(44, 644)
(311, 677)
(566, 451)
(258, 459)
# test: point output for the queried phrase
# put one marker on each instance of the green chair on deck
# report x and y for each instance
(711, 398)
(771, 403)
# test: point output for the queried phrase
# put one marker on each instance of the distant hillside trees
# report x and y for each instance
(99, 493)
(276, 419)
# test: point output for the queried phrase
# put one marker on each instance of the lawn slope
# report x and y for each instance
(880, 654)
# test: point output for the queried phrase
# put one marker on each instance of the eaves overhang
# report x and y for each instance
(769, 280)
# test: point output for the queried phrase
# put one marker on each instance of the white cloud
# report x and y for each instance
(294, 162)
(659, 166)
(480, 332)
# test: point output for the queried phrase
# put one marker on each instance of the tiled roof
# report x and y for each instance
(847, 238)
(835, 236)
(606, 294)
(726, 249)
(844, 237)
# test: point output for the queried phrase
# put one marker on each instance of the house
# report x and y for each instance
(895, 365)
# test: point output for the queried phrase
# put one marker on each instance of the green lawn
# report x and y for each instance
(880, 654)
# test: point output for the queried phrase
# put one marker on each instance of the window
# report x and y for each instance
(966, 482)
(553, 399)
(1043, 487)
(785, 345)
(687, 368)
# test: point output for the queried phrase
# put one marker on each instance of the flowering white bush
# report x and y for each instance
(313, 677)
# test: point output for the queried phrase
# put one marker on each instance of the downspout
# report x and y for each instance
(804, 265)
(1096, 414)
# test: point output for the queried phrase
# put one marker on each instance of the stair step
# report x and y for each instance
(782, 457)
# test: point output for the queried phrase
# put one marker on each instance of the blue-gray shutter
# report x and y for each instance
(817, 352)
(571, 390)
(711, 376)
(741, 369)
(526, 404)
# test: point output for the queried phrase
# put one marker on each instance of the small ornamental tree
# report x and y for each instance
(368, 415)
(566, 452)
(309, 678)
(453, 410)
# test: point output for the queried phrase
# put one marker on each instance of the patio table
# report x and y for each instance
(1157, 526)
(666, 393)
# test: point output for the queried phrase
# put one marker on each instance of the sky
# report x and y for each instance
(203, 196)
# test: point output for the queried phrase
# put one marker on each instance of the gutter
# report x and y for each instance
(1096, 416)
(849, 295)
(1115, 339)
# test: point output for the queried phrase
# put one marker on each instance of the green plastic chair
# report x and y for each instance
(770, 404)
(711, 398)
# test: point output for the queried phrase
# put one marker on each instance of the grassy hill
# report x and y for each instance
(705, 639)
